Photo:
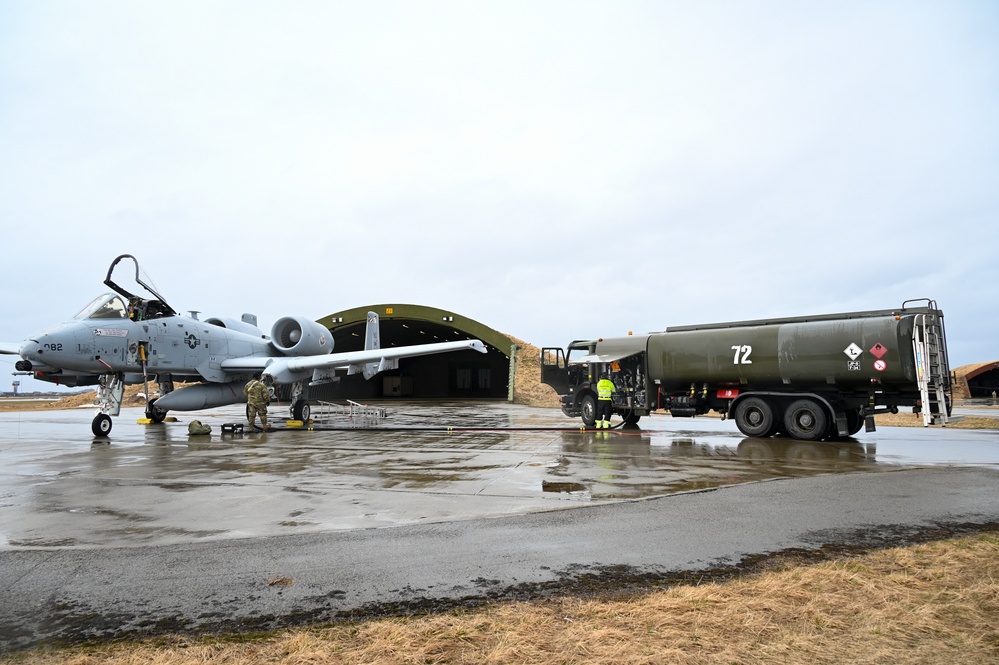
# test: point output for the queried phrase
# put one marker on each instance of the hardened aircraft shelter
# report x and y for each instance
(463, 374)
(982, 379)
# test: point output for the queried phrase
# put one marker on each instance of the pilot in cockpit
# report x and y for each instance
(134, 305)
(140, 309)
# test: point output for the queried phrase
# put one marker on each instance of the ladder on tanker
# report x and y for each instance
(932, 367)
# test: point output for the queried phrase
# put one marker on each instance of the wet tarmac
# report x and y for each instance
(425, 463)
(154, 531)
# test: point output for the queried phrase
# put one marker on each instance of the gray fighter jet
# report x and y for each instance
(121, 338)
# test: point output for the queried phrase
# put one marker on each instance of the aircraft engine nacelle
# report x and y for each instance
(298, 336)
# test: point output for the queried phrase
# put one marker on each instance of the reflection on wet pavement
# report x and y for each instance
(154, 484)
(631, 465)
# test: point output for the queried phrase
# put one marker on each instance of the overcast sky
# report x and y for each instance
(555, 170)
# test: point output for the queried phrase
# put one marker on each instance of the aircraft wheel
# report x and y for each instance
(588, 410)
(155, 414)
(806, 420)
(301, 410)
(754, 417)
(101, 425)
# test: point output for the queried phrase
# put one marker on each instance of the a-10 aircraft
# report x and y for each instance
(121, 338)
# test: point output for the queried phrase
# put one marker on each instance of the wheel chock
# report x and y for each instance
(294, 424)
(232, 428)
(144, 421)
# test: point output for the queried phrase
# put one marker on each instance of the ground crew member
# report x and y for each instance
(605, 388)
(258, 396)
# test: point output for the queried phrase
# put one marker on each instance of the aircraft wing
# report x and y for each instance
(10, 348)
(284, 367)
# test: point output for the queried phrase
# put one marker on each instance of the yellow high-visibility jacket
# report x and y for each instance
(605, 388)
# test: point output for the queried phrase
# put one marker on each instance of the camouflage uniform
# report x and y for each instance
(257, 399)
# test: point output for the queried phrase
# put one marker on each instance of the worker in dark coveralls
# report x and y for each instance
(258, 396)
(605, 388)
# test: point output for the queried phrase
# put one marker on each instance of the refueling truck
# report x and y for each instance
(808, 377)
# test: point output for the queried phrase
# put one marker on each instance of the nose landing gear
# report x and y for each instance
(101, 425)
(110, 392)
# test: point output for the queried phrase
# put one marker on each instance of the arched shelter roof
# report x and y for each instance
(460, 325)
(971, 371)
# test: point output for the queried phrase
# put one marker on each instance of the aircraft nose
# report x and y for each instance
(51, 346)
(28, 348)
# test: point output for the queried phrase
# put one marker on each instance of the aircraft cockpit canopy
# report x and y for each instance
(114, 306)
(139, 308)
(106, 306)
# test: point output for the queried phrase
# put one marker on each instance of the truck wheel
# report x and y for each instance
(588, 410)
(854, 421)
(754, 417)
(777, 428)
(630, 419)
(806, 420)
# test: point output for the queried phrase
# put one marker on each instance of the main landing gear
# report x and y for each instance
(154, 413)
(300, 409)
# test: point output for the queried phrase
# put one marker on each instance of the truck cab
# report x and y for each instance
(574, 374)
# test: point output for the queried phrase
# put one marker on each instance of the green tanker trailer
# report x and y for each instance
(809, 377)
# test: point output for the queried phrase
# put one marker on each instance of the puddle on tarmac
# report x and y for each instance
(637, 464)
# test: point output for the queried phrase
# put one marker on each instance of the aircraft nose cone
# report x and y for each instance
(28, 349)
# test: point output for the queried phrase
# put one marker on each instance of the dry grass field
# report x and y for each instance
(934, 603)
(916, 420)
(131, 398)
